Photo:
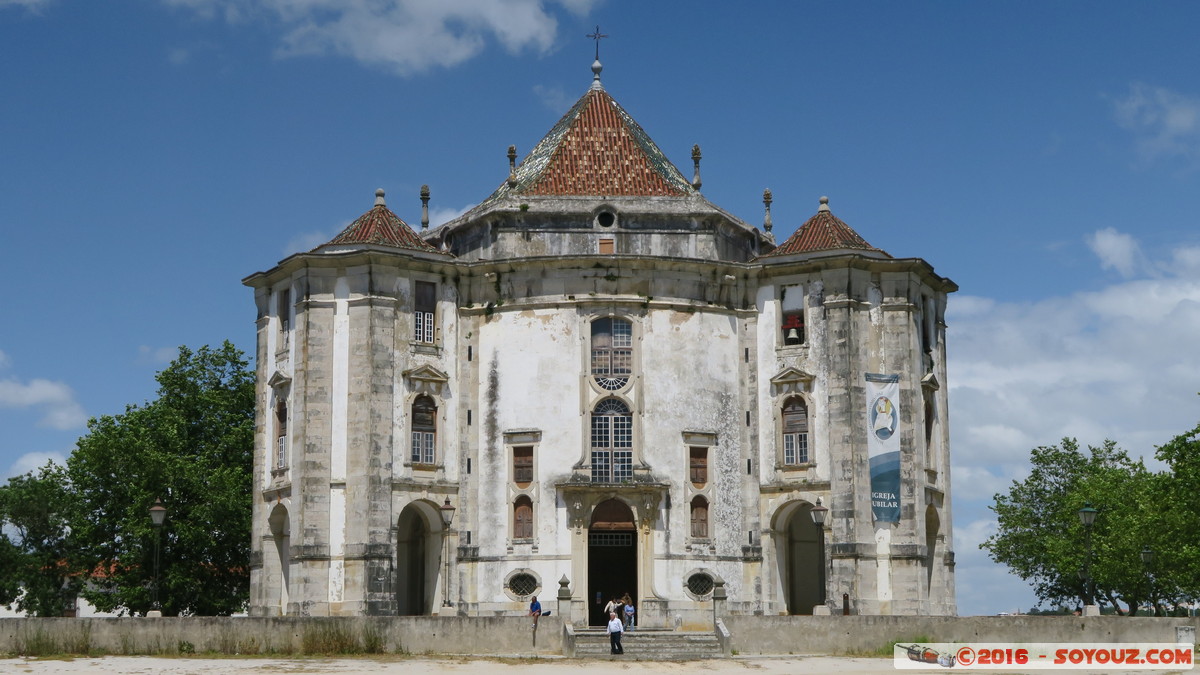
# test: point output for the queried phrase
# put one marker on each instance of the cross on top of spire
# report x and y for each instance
(597, 36)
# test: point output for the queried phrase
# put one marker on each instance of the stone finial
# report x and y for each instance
(379, 198)
(424, 207)
(767, 199)
(696, 161)
(512, 165)
(824, 204)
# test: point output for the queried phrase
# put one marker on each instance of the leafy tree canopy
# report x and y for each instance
(34, 575)
(1041, 539)
(192, 447)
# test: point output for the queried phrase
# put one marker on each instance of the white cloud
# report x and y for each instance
(1116, 250)
(404, 36)
(4, 360)
(156, 355)
(307, 241)
(1164, 123)
(554, 98)
(32, 5)
(1116, 363)
(54, 400)
(32, 461)
(440, 216)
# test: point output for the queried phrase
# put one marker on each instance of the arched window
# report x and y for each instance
(523, 518)
(699, 517)
(795, 431)
(612, 442)
(424, 430)
(281, 434)
(612, 352)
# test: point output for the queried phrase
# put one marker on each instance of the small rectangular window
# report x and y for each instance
(607, 247)
(285, 310)
(281, 435)
(424, 304)
(523, 465)
(698, 468)
(791, 302)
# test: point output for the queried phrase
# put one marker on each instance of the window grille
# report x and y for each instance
(700, 584)
(612, 353)
(612, 442)
(610, 539)
(523, 584)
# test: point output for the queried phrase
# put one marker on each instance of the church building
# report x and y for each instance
(599, 377)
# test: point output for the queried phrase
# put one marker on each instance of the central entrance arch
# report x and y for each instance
(801, 561)
(612, 557)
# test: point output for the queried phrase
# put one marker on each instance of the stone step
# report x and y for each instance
(652, 644)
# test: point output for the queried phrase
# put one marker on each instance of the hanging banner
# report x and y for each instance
(883, 445)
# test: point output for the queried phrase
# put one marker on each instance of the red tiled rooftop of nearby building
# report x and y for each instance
(381, 227)
(823, 232)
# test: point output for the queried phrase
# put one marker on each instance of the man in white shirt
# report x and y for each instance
(614, 633)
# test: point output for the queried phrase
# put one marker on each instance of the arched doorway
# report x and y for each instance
(801, 561)
(281, 533)
(412, 553)
(612, 557)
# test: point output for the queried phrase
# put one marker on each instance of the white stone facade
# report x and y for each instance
(512, 421)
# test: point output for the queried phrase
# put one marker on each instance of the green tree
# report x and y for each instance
(1177, 562)
(34, 575)
(193, 448)
(1040, 538)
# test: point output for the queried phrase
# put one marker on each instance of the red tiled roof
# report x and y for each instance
(381, 227)
(596, 149)
(599, 154)
(823, 232)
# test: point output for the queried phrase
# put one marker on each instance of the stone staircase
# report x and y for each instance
(649, 644)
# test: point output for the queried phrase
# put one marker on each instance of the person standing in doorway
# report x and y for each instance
(628, 614)
(614, 634)
(535, 610)
(611, 606)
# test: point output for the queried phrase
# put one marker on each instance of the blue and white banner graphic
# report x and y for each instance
(883, 445)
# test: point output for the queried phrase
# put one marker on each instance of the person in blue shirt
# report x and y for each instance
(535, 610)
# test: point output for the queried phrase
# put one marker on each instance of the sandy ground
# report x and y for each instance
(146, 665)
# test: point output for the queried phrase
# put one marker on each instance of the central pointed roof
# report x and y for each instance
(596, 149)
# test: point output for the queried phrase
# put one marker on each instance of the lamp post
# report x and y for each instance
(1087, 516)
(1147, 562)
(158, 513)
(818, 513)
(447, 518)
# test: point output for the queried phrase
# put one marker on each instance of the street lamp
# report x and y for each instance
(158, 513)
(818, 513)
(1087, 516)
(447, 518)
(1147, 561)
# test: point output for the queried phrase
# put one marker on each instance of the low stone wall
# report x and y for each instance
(283, 635)
(865, 634)
(511, 636)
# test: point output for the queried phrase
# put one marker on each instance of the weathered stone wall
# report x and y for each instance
(512, 635)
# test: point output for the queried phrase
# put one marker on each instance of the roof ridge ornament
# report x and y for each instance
(424, 207)
(379, 198)
(596, 65)
(696, 161)
(512, 166)
(824, 205)
(767, 199)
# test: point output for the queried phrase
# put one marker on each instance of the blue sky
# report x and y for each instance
(1045, 156)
